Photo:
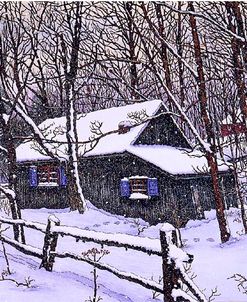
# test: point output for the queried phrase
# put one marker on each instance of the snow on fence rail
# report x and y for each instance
(26, 249)
(168, 248)
(32, 225)
(146, 245)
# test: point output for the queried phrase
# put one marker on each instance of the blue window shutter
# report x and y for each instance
(125, 188)
(153, 187)
(33, 177)
(62, 177)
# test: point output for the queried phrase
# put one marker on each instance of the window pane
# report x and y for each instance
(138, 185)
(48, 175)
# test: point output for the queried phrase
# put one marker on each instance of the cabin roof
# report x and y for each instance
(109, 118)
(170, 159)
(174, 160)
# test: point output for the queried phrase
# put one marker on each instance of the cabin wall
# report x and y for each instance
(105, 192)
(203, 196)
(229, 190)
(39, 197)
(179, 200)
(163, 131)
(101, 177)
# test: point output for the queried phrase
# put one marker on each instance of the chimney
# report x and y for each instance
(124, 127)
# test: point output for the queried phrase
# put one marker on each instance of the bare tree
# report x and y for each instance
(210, 154)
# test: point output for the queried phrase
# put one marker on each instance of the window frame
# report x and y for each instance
(139, 187)
(48, 180)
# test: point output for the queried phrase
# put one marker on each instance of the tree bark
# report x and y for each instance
(210, 155)
(235, 6)
(7, 140)
(75, 195)
(132, 51)
(232, 9)
(180, 53)
(163, 48)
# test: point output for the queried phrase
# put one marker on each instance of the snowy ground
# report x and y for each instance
(72, 280)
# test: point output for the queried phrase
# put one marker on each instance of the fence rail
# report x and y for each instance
(145, 245)
(32, 225)
(24, 248)
(168, 248)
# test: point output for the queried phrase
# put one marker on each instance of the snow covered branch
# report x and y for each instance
(32, 225)
(167, 44)
(37, 134)
(3, 150)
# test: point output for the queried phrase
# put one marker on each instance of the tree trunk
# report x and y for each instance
(233, 10)
(219, 202)
(237, 62)
(235, 6)
(12, 184)
(240, 198)
(12, 178)
(132, 52)
(76, 198)
(163, 49)
(70, 65)
(210, 155)
(180, 53)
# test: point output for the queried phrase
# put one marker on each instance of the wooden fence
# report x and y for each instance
(168, 248)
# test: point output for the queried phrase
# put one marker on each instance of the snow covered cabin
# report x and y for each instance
(146, 171)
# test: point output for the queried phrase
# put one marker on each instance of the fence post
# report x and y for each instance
(50, 244)
(168, 235)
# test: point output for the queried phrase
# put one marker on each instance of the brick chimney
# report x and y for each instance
(124, 127)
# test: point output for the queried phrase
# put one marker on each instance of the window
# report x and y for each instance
(138, 184)
(49, 175)
(139, 187)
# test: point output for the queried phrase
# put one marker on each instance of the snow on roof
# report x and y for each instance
(174, 160)
(167, 158)
(109, 118)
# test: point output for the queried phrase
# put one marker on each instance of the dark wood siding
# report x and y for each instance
(39, 197)
(229, 191)
(178, 201)
(175, 204)
(102, 186)
(163, 131)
